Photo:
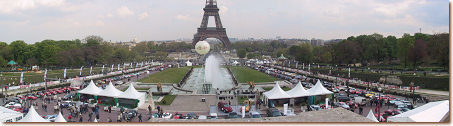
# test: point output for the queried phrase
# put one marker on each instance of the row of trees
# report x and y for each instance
(65, 53)
(415, 50)
(77, 53)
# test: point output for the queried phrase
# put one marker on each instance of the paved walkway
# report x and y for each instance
(191, 103)
(446, 93)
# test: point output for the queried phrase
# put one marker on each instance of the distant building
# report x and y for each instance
(317, 42)
(130, 44)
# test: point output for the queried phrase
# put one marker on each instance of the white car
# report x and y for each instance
(166, 115)
(12, 104)
(202, 117)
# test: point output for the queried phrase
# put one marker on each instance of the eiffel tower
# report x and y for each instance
(204, 31)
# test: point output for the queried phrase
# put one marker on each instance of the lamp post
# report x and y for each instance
(413, 92)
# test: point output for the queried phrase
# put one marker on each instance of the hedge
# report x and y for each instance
(435, 83)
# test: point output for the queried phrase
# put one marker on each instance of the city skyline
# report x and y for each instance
(34, 21)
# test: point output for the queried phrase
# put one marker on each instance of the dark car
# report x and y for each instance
(233, 115)
(68, 97)
(67, 104)
(273, 112)
(343, 98)
(224, 107)
(191, 116)
(131, 114)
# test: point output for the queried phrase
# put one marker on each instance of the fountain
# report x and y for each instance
(207, 79)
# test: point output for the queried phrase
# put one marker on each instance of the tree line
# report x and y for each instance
(92, 51)
(368, 50)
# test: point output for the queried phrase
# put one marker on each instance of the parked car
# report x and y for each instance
(273, 112)
(202, 117)
(59, 91)
(68, 97)
(315, 107)
(233, 115)
(40, 94)
(343, 98)
(118, 83)
(393, 112)
(30, 96)
(212, 115)
(178, 116)
(166, 115)
(191, 116)
(404, 109)
(341, 104)
(13, 104)
(67, 104)
(131, 114)
(224, 107)
(254, 114)
(50, 118)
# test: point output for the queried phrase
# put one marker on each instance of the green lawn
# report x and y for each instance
(124, 89)
(284, 88)
(245, 75)
(35, 77)
(171, 75)
(167, 100)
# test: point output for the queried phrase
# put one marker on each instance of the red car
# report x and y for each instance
(48, 93)
(40, 94)
(19, 109)
(31, 97)
(74, 88)
(393, 112)
(59, 91)
(224, 107)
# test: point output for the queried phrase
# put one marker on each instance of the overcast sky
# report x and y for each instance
(121, 20)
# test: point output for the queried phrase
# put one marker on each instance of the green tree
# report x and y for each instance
(3, 62)
(405, 44)
(18, 48)
(438, 49)
(305, 54)
(418, 53)
(241, 53)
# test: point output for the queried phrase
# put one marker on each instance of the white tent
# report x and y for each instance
(110, 91)
(298, 91)
(60, 118)
(371, 116)
(318, 89)
(91, 89)
(276, 93)
(431, 112)
(131, 93)
(9, 115)
(33, 116)
(188, 63)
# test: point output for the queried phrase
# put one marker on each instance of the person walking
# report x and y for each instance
(90, 116)
(81, 119)
(110, 109)
(360, 109)
(55, 108)
(140, 118)
(119, 118)
(149, 109)
(70, 117)
(158, 109)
